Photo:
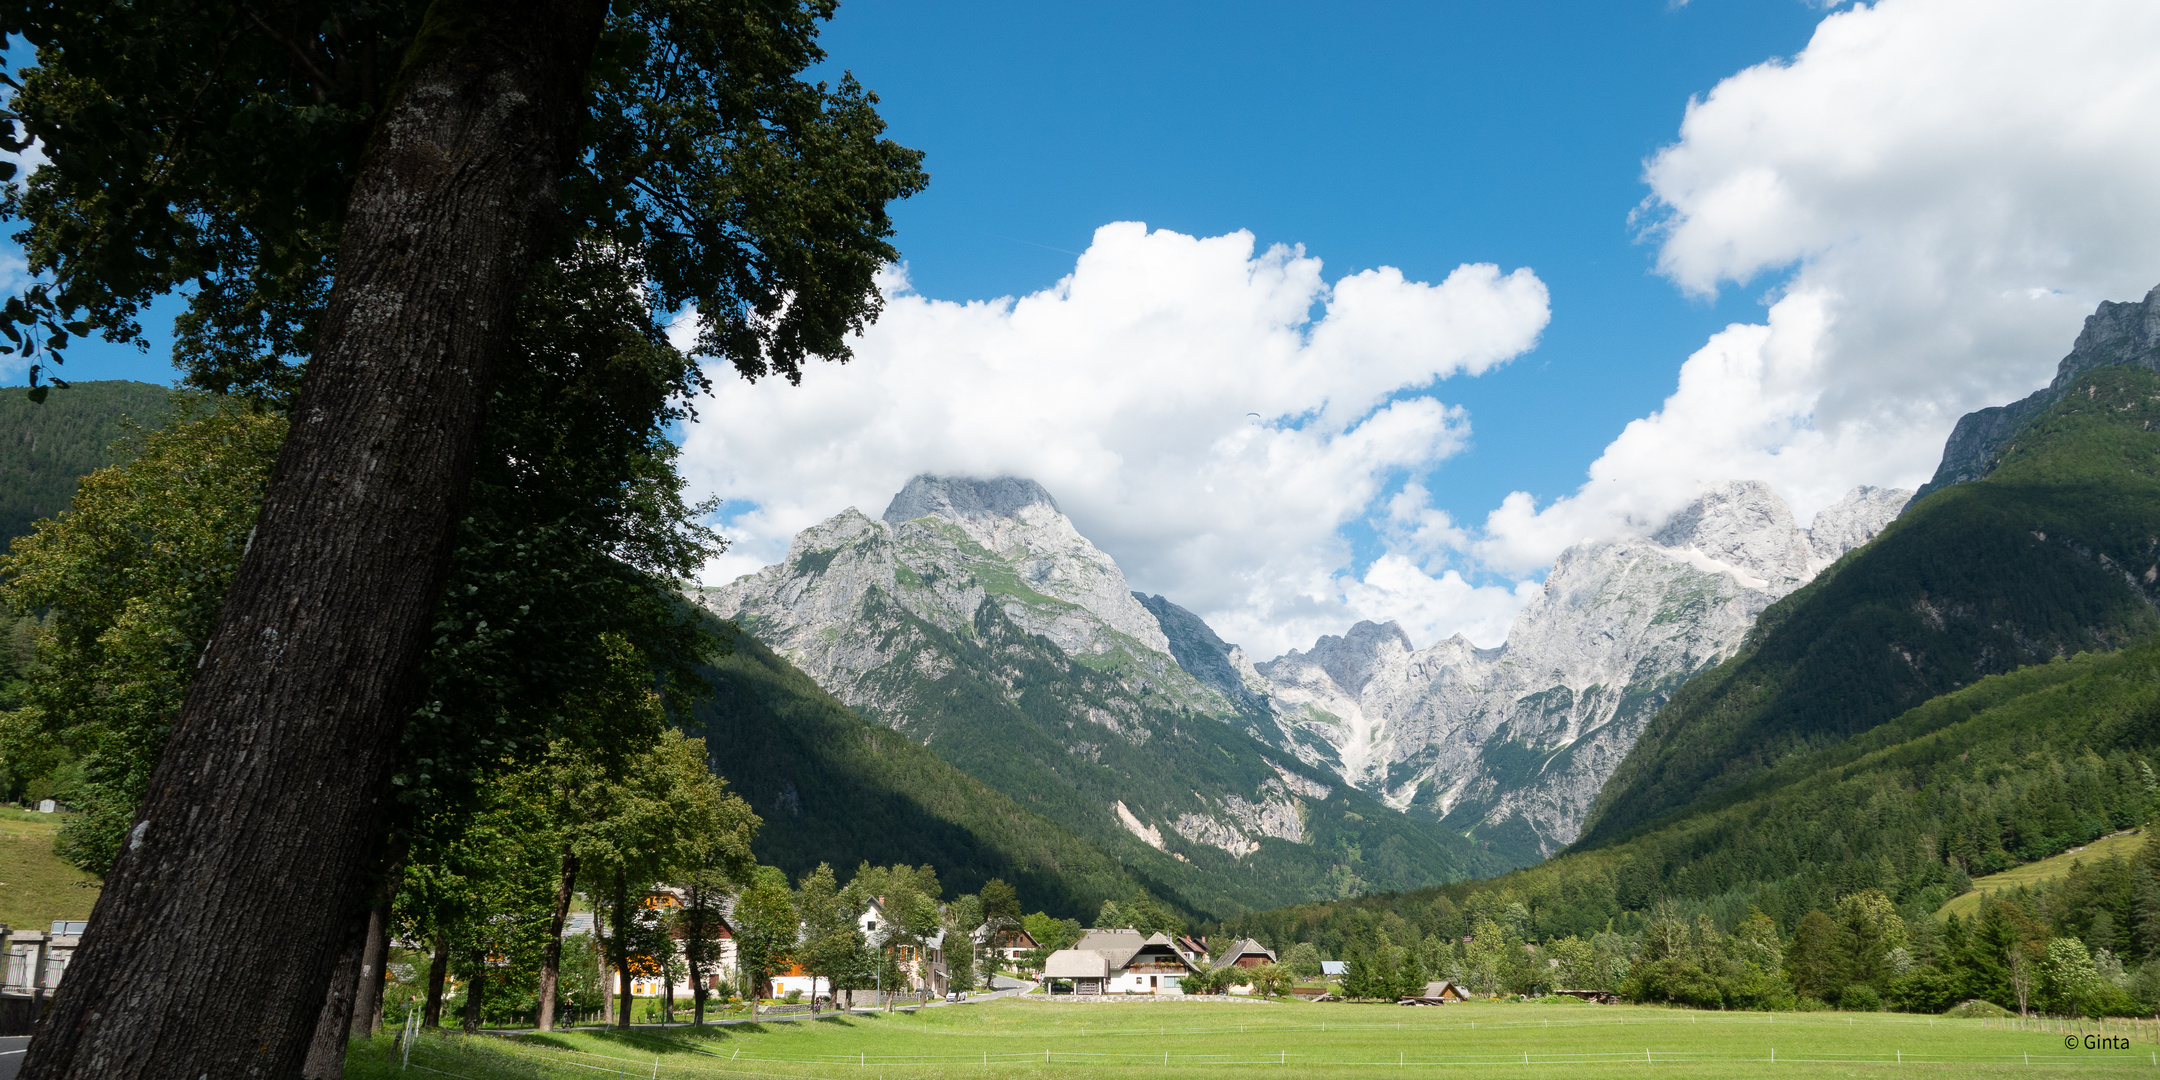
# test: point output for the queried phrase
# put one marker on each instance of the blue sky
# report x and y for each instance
(1870, 220)
(1416, 135)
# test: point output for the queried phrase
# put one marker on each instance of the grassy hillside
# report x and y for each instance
(37, 886)
(2056, 553)
(2123, 845)
(835, 788)
(45, 448)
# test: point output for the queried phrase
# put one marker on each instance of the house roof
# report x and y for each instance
(1076, 964)
(1115, 946)
(1241, 948)
(1121, 947)
(1334, 967)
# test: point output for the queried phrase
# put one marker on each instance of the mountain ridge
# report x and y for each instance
(2116, 333)
(2052, 553)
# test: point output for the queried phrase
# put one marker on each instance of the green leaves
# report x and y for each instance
(191, 150)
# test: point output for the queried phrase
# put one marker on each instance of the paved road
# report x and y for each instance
(11, 1054)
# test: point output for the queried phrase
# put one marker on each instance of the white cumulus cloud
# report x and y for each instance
(1183, 403)
(1940, 191)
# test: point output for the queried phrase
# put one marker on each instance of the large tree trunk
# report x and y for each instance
(694, 952)
(438, 970)
(214, 937)
(601, 958)
(333, 1023)
(551, 958)
(475, 991)
(367, 1000)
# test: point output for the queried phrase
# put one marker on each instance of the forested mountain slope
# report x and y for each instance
(835, 788)
(2056, 552)
(47, 447)
(2016, 767)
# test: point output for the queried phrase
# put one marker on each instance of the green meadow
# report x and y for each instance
(1159, 1039)
(2123, 845)
(37, 886)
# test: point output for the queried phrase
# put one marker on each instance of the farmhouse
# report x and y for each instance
(1245, 953)
(1132, 963)
(1008, 944)
(1440, 992)
(1086, 969)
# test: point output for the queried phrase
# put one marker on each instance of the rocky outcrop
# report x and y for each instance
(2115, 333)
(965, 587)
(1513, 743)
(1215, 662)
(975, 618)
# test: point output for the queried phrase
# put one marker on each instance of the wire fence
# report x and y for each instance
(656, 1067)
(449, 1055)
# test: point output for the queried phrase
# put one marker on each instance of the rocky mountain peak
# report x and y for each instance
(2115, 333)
(965, 499)
(1744, 525)
(1854, 520)
(1352, 659)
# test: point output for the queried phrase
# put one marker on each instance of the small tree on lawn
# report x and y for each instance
(765, 931)
(832, 944)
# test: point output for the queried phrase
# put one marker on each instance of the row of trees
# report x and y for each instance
(2081, 944)
(669, 934)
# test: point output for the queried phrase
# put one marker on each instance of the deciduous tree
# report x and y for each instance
(373, 185)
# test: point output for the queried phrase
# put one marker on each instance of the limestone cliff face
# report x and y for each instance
(1513, 743)
(966, 588)
(975, 618)
(944, 549)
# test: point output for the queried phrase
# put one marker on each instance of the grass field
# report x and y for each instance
(1964, 906)
(1155, 1040)
(36, 887)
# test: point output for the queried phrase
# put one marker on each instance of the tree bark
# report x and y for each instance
(438, 970)
(694, 950)
(475, 991)
(551, 959)
(367, 999)
(210, 952)
(333, 1023)
(601, 959)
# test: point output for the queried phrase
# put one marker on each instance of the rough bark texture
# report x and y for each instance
(600, 963)
(367, 1001)
(333, 1024)
(216, 932)
(551, 960)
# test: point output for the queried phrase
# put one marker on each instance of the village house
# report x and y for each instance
(1438, 992)
(35, 962)
(876, 933)
(645, 975)
(1244, 953)
(1130, 963)
(1007, 944)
